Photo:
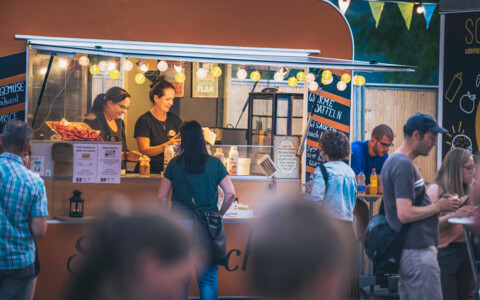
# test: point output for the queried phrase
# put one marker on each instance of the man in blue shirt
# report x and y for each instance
(23, 212)
(372, 153)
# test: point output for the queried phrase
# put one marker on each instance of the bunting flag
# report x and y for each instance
(406, 9)
(428, 10)
(377, 8)
(343, 5)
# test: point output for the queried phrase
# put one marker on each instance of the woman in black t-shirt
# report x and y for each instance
(107, 114)
(158, 127)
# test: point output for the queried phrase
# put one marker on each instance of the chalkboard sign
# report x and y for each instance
(12, 103)
(461, 82)
(332, 112)
(206, 87)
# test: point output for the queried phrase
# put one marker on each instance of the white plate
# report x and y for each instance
(462, 221)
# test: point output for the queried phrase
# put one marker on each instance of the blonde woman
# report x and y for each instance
(455, 177)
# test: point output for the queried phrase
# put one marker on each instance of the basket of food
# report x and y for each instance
(74, 131)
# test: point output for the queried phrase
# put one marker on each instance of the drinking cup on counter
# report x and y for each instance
(244, 166)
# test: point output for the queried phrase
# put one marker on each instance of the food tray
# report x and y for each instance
(74, 131)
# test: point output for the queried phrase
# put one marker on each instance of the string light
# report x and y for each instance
(255, 76)
(301, 76)
(292, 81)
(178, 68)
(114, 74)
(327, 75)
(43, 71)
(162, 66)
(327, 81)
(278, 77)
(202, 73)
(62, 63)
(360, 80)
(242, 74)
(140, 78)
(346, 77)
(216, 72)
(94, 69)
(420, 9)
(143, 67)
(111, 66)
(103, 66)
(310, 77)
(341, 85)
(84, 61)
(128, 65)
(313, 86)
(180, 77)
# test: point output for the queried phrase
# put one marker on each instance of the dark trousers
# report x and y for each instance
(456, 272)
(15, 284)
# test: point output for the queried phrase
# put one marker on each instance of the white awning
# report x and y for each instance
(298, 58)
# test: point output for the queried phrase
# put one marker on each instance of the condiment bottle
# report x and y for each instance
(233, 161)
(373, 182)
(219, 154)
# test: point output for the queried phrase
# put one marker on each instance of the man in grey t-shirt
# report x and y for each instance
(402, 184)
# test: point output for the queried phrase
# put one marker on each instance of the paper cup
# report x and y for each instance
(244, 166)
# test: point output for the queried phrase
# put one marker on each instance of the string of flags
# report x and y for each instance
(406, 9)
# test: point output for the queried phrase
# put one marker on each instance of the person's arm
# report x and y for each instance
(228, 194)
(356, 163)
(38, 226)
(407, 213)
(163, 192)
(146, 149)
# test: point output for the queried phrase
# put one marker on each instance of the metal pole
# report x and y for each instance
(42, 90)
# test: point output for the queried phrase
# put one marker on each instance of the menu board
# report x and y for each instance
(461, 82)
(12, 103)
(331, 113)
(285, 156)
(97, 163)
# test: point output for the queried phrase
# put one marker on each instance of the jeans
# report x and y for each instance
(456, 273)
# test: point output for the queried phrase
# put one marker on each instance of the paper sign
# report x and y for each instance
(97, 163)
(285, 149)
(38, 165)
(85, 157)
(109, 163)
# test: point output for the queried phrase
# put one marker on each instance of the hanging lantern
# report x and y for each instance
(180, 77)
(341, 85)
(346, 77)
(242, 74)
(327, 81)
(84, 61)
(178, 68)
(292, 81)
(313, 86)
(202, 73)
(310, 77)
(128, 65)
(360, 80)
(114, 74)
(162, 66)
(327, 75)
(301, 76)
(216, 72)
(76, 205)
(103, 66)
(94, 69)
(140, 78)
(255, 76)
(143, 67)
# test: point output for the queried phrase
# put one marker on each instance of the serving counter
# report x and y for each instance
(66, 240)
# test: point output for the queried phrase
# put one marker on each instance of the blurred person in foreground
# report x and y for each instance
(338, 196)
(296, 254)
(203, 173)
(140, 256)
(23, 217)
(454, 177)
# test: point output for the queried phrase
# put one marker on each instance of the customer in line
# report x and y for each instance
(337, 195)
(296, 254)
(140, 256)
(455, 178)
(23, 217)
(204, 174)
(402, 185)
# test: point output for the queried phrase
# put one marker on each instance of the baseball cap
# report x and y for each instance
(421, 121)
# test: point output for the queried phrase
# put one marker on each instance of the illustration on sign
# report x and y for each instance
(467, 103)
(459, 139)
(454, 86)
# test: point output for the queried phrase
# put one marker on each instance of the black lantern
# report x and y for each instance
(76, 205)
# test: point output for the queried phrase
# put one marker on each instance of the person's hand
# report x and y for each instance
(448, 203)
(463, 212)
(174, 140)
(133, 155)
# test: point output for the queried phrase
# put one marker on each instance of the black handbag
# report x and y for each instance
(208, 233)
(383, 245)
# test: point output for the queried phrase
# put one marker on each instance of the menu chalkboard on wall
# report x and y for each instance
(12, 103)
(332, 112)
(461, 82)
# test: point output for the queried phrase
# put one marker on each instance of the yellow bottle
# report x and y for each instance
(373, 182)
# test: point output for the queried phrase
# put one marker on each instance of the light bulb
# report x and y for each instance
(216, 72)
(114, 74)
(301, 76)
(354, 78)
(202, 73)
(310, 77)
(360, 80)
(180, 77)
(341, 85)
(143, 67)
(140, 78)
(313, 86)
(327, 75)
(255, 76)
(283, 70)
(242, 74)
(162, 66)
(103, 66)
(278, 77)
(84, 61)
(292, 81)
(62, 63)
(111, 66)
(346, 77)
(420, 9)
(43, 71)
(94, 69)
(327, 81)
(178, 68)
(128, 65)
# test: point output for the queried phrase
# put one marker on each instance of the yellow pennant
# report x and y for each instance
(406, 9)
(377, 8)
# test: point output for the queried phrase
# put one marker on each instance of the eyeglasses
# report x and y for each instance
(122, 107)
(384, 144)
(471, 169)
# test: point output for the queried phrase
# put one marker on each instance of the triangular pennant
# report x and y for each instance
(428, 10)
(377, 8)
(343, 5)
(406, 9)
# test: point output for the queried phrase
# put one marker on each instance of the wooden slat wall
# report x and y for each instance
(393, 107)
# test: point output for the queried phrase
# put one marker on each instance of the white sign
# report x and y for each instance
(85, 163)
(38, 165)
(97, 163)
(288, 163)
(109, 163)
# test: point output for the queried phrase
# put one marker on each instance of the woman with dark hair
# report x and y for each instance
(336, 191)
(141, 256)
(204, 174)
(158, 127)
(107, 114)
(455, 177)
